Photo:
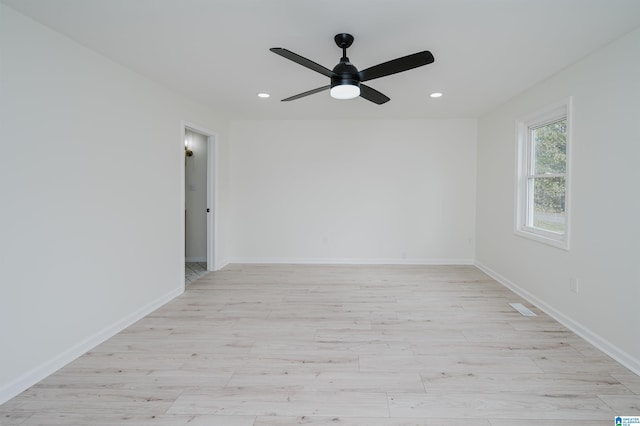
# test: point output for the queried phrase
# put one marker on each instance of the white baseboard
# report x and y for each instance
(195, 259)
(221, 264)
(347, 261)
(32, 377)
(604, 345)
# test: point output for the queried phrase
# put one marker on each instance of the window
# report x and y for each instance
(543, 176)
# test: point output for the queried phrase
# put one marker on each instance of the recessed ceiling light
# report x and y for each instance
(263, 95)
(436, 95)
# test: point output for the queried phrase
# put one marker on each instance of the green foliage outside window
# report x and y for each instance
(549, 183)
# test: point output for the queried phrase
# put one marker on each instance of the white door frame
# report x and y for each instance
(212, 190)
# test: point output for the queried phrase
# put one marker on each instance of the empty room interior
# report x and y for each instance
(364, 213)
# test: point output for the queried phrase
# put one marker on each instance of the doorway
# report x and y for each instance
(199, 201)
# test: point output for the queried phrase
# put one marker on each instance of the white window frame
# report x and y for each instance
(524, 194)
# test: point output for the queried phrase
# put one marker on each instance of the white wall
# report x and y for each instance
(196, 198)
(91, 207)
(605, 206)
(353, 191)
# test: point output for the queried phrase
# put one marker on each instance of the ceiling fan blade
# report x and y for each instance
(397, 65)
(310, 92)
(372, 95)
(302, 61)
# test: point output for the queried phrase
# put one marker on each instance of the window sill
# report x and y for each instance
(560, 243)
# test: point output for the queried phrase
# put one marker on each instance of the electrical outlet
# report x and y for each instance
(574, 284)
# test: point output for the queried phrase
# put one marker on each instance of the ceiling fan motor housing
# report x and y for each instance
(345, 73)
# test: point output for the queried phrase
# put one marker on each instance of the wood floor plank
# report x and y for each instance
(364, 421)
(461, 363)
(555, 422)
(13, 418)
(244, 402)
(222, 421)
(631, 381)
(327, 381)
(501, 405)
(64, 419)
(623, 404)
(318, 345)
(527, 383)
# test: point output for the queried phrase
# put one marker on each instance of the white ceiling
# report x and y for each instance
(217, 51)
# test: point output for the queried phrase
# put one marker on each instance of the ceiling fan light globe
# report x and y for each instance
(345, 91)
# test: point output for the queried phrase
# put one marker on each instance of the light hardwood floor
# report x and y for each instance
(280, 345)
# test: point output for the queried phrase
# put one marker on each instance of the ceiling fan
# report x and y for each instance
(346, 80)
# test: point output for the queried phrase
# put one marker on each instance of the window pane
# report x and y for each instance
(550, 147)
(548, 204)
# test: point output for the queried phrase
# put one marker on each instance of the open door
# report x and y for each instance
(199, 195)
